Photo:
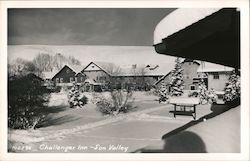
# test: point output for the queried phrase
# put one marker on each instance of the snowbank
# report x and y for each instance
(25, 136)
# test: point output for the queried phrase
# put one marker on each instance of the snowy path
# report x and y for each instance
(39, 135)
(90, 133)
(135, 129)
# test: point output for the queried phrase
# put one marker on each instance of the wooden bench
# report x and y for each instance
(183, 104)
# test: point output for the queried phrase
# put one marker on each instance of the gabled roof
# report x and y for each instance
(104, 66)
(74, 68)
(212, 67)
(65, 66)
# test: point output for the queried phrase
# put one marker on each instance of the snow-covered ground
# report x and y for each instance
(79, 123)
(220, 134)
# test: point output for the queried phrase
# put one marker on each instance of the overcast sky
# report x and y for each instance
(128, 27)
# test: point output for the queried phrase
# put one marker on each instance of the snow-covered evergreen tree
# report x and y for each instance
(177, 83)
(232, 89)
(205, 95)
(202, 89)
(76, 98)
(163, 92)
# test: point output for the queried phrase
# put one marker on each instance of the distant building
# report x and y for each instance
(140, 77)
(108, 75)
(215, 76)
(98, 76)
(189, 73)
(99, 72)
(67, 75)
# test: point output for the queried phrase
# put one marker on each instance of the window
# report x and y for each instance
(76, 79)
(216, 75)
(57, 80)
(71, 79)
(92, 66)
(61, 80)
(192, 87)
(82, 79)
(67, 71)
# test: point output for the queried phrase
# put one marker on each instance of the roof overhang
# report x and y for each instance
(214, 38)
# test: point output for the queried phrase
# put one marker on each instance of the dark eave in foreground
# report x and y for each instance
(215, 38)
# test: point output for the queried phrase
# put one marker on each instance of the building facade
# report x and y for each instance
(215, 76)
(66, 76)
(190, 68)
(96, 72)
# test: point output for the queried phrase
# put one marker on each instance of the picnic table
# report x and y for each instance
(187, 106)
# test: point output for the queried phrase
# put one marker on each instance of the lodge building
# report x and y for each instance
(98, 76)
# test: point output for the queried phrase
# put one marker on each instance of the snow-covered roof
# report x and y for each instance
(222, 128)
(76, 68)
(160, 71)
(142, 70)
(105, 66)
(178, 20)
(212, 67)
(219, 134)
(49, 75)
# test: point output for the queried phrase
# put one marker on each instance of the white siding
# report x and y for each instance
(217, 84)
(92, 67)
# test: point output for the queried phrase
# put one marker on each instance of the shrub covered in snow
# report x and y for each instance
(76, 98)
(232, 89)
(27, 101)
(118, 101)
(206, 96)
